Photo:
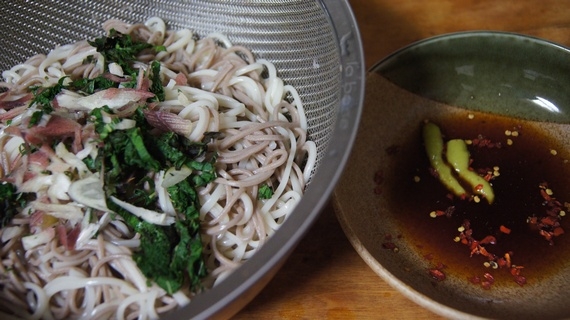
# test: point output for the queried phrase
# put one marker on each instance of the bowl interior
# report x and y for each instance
(475, 76)
(499, 72)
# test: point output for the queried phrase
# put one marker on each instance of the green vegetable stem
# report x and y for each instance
(453, 171)
(458, 157)
(433, 143)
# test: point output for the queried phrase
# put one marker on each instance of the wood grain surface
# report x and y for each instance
(325, 278)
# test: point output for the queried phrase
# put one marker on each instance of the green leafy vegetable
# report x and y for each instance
(101, 127)
(156, 86)
(137, 153)
(155, 256)
(43, 97)
(35, 118)
(10, 200)
(120, 49)
(156, 251)
(187, 254)
(207, 171)
(177, 150)
(168, 255)
(265, 192)
(89, 86)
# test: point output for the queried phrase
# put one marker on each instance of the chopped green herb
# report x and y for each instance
(89, 86)
(206, 170)
(132, 83)
(43, 97)
(176, 149)
(101, 127)
(156, 85)
(265, 192)
(188, 253)
(137, 153)
(120, 49)
(168, 254)
(10, 200)
(35, 118)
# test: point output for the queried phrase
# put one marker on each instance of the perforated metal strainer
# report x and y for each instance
(315, 46)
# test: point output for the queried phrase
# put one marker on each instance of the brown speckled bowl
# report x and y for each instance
(457, 76)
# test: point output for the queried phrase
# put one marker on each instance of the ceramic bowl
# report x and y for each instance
(505, 95)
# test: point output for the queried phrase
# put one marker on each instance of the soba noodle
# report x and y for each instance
(210, 85)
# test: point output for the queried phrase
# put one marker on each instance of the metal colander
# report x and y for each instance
(315, 47)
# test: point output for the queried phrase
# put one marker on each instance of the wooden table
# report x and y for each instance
(325, 277)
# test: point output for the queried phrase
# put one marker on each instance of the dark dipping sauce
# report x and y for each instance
(523, 166)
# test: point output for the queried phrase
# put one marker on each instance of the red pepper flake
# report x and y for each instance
(548, 226)
(486, 285)
(488, 281)
(389, 245)
(475, 280)
(501, 262)
(504, 229)
(508, 260)
(478, 247)
(433, 172)
(483, 142)
(475, 250)
(532, 220)
(378, 190)
(516, 270)
(488, 240)
(436, 274)
(520, 280)
(378, 180)
(379, 177)
(547, 236)
(449, 211)
(548, 221)
(544, 195)
(478, 187)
